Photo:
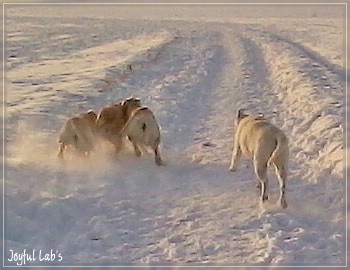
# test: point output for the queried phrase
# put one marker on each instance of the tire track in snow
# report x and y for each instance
(177, 85)
(286, 66)
(257, 97)
(161, 245)
(257, 94)
(209, 235)
(263, 232)
(183, 232)
(199, 237)
(323, 74)
(322, 62)
(306, 91)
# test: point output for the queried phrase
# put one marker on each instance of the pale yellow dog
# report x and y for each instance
(143, 131)
(78, 132)
(266, 145)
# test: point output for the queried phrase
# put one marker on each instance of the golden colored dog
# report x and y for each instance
(111, 120)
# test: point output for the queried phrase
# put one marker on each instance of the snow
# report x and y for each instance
(193, 69)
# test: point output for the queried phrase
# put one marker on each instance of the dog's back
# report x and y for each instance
(257, 136)
(112, 118)
(143, 126)
(110, 121)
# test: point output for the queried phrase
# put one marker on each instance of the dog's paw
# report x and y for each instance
(283, 204)
(264, 198)
(232, 169)
(160, 162)
(61, 158)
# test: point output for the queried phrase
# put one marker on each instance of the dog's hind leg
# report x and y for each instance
(281, 171)
(81, 145)
(261, 173)
(118, 144)
(61, 149)
(155, 147)
(157, 157)
(136, 147)
(143, 149)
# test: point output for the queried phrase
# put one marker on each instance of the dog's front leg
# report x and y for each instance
(236, 156)
(60, 152)
(118, 145)
(157, 157)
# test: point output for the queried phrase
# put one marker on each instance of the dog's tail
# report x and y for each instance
(125, 129)
(128, 124)
(281, 147)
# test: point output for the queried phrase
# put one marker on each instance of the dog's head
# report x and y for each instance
(239, 116)
(90, 116)
(131, 100)
(129, 105)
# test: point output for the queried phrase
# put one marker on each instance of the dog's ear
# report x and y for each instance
(138, 101)
(240, 114)
(126, 100)
(91, 112)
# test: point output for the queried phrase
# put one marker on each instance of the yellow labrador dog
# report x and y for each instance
(111, 120)
(78, 132)
(265, 144)
(142, 130)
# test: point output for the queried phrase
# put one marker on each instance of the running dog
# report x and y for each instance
(78, 132)
(112, 118)
(265, 144)
(142, 130)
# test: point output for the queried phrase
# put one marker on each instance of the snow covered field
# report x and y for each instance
(193, 67)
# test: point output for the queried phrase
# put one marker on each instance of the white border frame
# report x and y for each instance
(173, 4)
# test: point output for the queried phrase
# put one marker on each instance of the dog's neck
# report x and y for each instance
(128, 110)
